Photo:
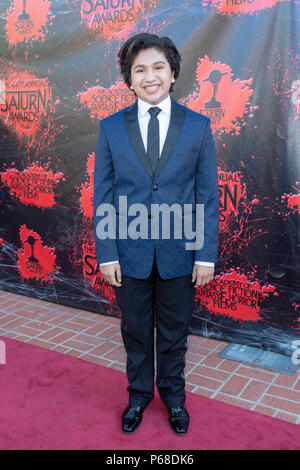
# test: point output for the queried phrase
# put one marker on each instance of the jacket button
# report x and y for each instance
(155, 188)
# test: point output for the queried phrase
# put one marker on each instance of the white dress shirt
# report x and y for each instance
(164, 120)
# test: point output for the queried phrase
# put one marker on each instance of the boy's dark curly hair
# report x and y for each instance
(138, 42)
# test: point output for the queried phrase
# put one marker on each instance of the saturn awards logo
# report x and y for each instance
(27, 20)
(115, 18)
(226, 100)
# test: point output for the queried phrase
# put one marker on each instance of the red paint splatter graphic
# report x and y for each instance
(292, 200)
(237, 217)
(85, 250)
(93, 275)
(231, 190)
(86, 199)
(26, 102)
(27, 20)
(234, 295)
(35, 261)
(33, 186)
(225, 100)
(103, 102)
(82, 255)
(233, 7)
(114, 18)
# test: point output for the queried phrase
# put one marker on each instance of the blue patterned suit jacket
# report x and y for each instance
(186, 174)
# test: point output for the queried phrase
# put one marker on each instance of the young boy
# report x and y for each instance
(155, 153)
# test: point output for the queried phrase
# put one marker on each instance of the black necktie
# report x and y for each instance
(153, 137)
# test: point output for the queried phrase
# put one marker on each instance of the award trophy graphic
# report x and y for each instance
(24, 16)
(31, 241)
(24, 24)
(214, 78)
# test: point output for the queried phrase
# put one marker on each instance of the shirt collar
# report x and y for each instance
(164, 105)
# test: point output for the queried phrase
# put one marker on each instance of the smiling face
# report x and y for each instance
(151, 76)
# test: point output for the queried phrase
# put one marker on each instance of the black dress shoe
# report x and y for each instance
(132, 418)
(179, 420)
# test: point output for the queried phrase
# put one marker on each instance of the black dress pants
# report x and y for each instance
(168, 305)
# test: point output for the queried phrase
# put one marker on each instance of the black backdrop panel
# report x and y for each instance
(240, 66)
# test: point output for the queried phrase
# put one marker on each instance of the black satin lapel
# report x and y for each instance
(133, 130)
(175, 126)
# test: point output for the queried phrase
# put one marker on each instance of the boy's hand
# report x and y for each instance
(202, 275)
(112, 273)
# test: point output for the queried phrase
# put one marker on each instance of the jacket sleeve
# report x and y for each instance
(207, 194)
(104, 216)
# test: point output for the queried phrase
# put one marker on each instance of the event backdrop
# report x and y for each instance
(59, 76)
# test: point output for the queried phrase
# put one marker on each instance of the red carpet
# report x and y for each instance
(53, 401)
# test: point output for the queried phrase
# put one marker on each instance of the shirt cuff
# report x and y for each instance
(205, 263)
(108, 262)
